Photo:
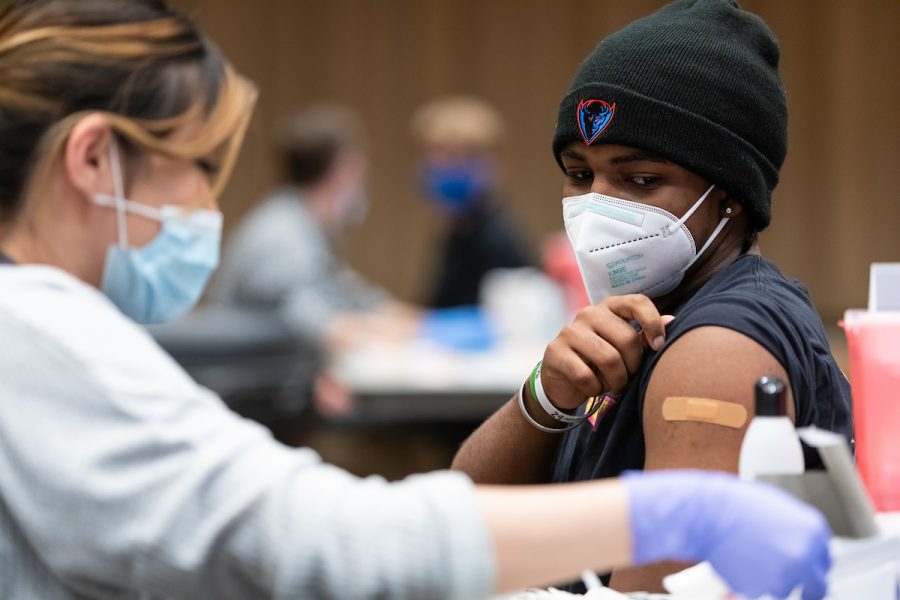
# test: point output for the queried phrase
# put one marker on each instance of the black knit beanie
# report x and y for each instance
(696, 82)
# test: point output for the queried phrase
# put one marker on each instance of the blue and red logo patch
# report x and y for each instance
(593, 117)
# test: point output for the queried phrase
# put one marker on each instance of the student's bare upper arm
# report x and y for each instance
(713, 363)
(708, 362)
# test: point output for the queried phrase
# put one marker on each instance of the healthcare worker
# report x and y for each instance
(285, 256)
(120, 477)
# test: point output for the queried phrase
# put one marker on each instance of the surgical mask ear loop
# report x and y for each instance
(711, 239)
(672, 228)
(119, 191)
(722, 223)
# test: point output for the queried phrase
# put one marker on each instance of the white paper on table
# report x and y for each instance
(884, 287)
(701, 582)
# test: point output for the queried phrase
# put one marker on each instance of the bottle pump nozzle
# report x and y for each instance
(771, 397)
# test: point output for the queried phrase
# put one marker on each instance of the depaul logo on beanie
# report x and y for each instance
(593, 117)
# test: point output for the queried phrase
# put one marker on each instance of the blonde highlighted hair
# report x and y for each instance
(461, 122)
(147, 68)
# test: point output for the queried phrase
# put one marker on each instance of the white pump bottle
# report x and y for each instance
(771, 445)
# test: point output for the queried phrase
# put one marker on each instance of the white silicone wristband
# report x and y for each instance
(547, 405)
(534, 423)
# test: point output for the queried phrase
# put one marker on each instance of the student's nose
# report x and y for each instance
(602, 185)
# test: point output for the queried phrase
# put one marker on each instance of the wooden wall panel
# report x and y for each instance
(837, 207)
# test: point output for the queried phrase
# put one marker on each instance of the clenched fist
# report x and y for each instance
(600, 349)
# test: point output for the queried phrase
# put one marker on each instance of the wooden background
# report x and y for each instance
(836, 210)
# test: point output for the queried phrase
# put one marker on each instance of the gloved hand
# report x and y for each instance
(758, 538)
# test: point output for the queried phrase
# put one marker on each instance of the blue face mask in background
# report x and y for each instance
(456, 186)
(165, 278)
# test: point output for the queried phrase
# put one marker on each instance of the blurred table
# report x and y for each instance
(423, 382)
(247, 357)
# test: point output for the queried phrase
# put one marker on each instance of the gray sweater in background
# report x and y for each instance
(122, 478)
(279, 259)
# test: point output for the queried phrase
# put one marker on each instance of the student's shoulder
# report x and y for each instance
(280, 226)
(730, 334)
(752, 285)
(283, 209)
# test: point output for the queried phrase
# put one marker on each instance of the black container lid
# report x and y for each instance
(771, 397)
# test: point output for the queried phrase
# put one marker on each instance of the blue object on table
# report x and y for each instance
(461, 328)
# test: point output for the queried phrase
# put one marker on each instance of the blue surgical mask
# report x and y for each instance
(164, 279)
(458, 185)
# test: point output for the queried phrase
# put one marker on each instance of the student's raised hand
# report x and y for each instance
(599, 350)
(759, 539)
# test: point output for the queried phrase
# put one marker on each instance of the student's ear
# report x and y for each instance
(86, 156)
(729, 207)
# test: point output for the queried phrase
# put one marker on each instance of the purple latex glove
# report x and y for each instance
(759, 539)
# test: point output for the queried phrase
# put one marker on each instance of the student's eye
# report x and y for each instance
(579, 175)
(644, 180)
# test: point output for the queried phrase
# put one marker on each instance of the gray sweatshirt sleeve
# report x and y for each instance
(135, 479)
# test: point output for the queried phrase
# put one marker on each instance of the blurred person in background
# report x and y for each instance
(459, 138)
(285, 257)
(286, 254)
(120, 477)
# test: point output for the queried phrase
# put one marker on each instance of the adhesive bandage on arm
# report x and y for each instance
(704, 410)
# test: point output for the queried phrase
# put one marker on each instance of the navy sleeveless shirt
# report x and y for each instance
(752, 297)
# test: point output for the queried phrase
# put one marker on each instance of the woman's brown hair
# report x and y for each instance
(146, 67)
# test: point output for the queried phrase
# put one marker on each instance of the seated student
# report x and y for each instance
(671, 137)
(285, 256)
(458, 137)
